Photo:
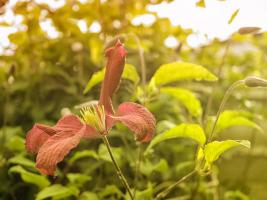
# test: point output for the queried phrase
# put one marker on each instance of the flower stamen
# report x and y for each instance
(94, 116)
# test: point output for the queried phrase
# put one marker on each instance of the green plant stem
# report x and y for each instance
(224, 100)
(220, 67)
(137, 168)
(143, 78)
(119, 172)
(171, 187)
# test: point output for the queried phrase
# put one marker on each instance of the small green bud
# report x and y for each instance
(253, 81)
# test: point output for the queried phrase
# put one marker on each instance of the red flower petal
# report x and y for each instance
(138, 119)
(56, 148)
(39, 134)
(114, 68)
(35, 138)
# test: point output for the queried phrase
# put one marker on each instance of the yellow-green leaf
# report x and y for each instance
(57, 192)
(29, 177)
(177, 71)
(192, 131)
(213, 150)
(186, 98)
(230, 118)
(233, 16)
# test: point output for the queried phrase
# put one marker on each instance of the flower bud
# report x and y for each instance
(248, 30)
(253, 81)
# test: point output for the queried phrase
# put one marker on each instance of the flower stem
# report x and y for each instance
(168, 190)
(119, 172)
(224, 100)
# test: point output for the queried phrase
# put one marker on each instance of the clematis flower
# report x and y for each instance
(52, 144)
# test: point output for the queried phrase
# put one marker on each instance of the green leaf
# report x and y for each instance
(20, 160)
(192, 131)
(177, 71)
(16, 143)
(95, 79)
(83, 154)
(187, 98)
(88, 196)
(78, 180)
(129, 73)
(233, 16)
(147, 167)
(213, 150)
(29, 177)
(146, 194)
(57, 192)
(104, 155)
(110, 190)
(230, 118)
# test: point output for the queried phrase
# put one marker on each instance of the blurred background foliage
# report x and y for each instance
(44, 77)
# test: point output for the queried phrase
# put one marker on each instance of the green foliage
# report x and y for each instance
(192, 131)
(213, 150)
(231, 118)
(30, 177)
(42, 77)
(177, 71)
(57, 191)
(186, 98)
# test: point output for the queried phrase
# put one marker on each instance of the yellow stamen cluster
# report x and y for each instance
(94, 116)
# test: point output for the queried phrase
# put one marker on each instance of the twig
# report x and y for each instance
(168, 190)
(119, 172)
(224, 100)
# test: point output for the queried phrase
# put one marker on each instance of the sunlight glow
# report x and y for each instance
(171, 42)
(146, 20)
(95, 27)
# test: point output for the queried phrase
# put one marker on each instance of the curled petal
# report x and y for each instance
(39, 134)
(36, 137)
(138, 119)
(114, 68)
(56, 148)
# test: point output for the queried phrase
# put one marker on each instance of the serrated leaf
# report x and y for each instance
(129, 73)
(192, 131)
(57, 192)
(213, 150)
(83, 154)
(30, 177)
(185, 97)
(233, 16)
(230, 118)
(177, 71)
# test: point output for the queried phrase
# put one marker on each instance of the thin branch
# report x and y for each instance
(170, 188)
(119, 172)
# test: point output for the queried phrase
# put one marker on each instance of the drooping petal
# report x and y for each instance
(138, 119)
(114, 68)
(36, 137)
(39, 134)
(56, 148)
